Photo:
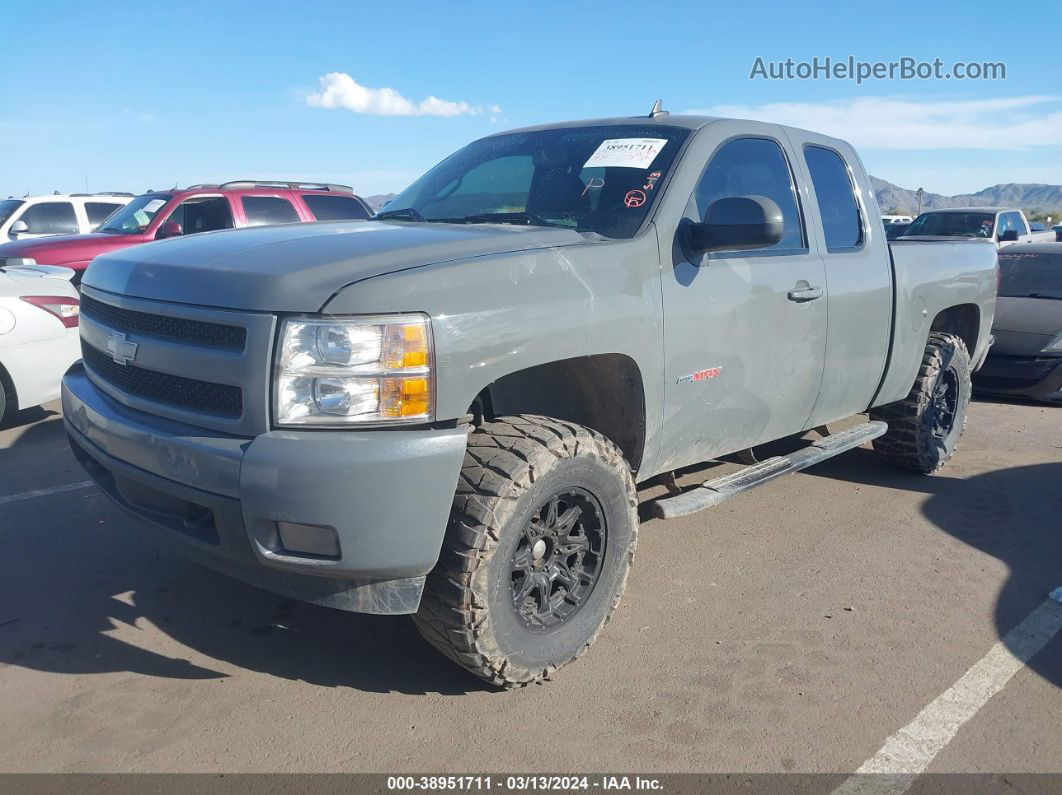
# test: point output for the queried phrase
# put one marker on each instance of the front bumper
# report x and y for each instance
(218, 497)
(1034, 377)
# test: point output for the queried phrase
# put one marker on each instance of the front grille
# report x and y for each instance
(186, 393)
(194, 332)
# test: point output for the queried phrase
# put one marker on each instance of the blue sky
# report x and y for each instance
(130, 97)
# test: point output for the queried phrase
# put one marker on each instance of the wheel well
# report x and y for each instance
(603, 392)
(964, 321)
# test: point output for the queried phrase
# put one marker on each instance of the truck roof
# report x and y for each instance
(686, 121)
(664, 120)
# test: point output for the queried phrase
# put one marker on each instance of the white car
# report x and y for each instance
(43, 216)
(39, 313)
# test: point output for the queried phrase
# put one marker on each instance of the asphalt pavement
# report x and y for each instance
(798, 627)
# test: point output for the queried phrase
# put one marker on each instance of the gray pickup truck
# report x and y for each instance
(444, 411)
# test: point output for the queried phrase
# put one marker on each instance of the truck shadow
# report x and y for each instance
(18, 419)
(80, 593)
(1013, 514)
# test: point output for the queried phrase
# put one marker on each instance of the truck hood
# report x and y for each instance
(63, 249)
(298, 267)
(1023, 326)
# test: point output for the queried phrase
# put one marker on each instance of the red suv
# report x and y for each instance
(200, 208)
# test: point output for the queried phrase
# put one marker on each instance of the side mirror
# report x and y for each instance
(736, 223)
(18, 228)
(1009, 236)
(169, 229)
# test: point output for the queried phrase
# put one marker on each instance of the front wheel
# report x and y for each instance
(925, 427)
(537, 551)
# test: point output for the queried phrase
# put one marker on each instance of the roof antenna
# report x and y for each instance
(658, 109)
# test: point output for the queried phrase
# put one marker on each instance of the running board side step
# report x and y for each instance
(713, 492)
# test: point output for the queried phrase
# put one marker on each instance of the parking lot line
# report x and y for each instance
(29, 495)
(908, 752)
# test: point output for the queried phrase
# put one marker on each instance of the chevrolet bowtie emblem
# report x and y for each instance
(122, 350)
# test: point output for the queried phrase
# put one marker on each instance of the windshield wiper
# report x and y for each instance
(405, 214)
(529, 219)
(1043, 295)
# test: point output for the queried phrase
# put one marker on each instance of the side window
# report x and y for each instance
(97, 212)
(261, 210)
(51, 218)
(753, 167)
(202, 214)
(499, 185)
(841, 220)
(1017, 222)
(1005, 223)
(334, 208)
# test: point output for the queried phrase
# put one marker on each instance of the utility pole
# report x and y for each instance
(919, 192)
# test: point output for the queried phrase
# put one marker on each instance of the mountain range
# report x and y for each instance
(1026, 197)
(378, 201)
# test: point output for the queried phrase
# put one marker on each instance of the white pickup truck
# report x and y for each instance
(1004, 225)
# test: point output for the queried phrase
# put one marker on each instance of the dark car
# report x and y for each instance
(1026, 358)
(893, 231)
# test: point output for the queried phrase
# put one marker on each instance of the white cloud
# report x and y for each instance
(1010, 123)
(340, 90)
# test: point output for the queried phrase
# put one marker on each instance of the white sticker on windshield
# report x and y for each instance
(153, 205)
(626, 152)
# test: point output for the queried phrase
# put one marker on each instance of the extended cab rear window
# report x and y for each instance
(335, 208)
(836, 196)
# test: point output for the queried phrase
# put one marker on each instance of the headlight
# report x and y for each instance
(1054, 346)
(344, 371)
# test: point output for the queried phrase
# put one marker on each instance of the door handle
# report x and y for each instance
(803, 294)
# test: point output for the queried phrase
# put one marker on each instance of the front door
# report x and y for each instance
(744, 332)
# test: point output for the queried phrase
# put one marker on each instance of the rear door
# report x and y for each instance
(858, 272)
(744, 331)
(204, 212)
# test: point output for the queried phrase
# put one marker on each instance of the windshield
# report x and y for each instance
(590, 179)
(1030, 275)
(8, 206)
(952, 225)
(136, 215)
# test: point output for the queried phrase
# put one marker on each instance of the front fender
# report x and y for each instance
(492, 316)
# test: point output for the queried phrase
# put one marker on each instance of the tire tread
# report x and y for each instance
(500, 464)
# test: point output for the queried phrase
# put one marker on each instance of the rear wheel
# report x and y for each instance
(925, 427)
(537, 552)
